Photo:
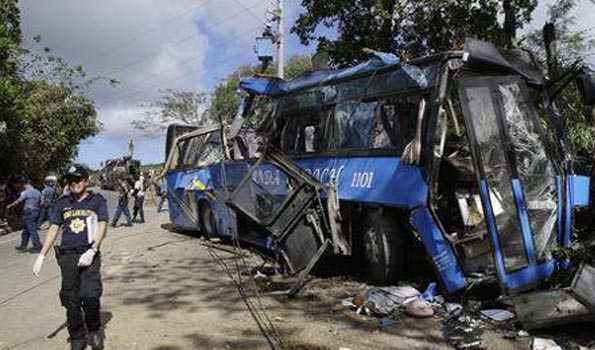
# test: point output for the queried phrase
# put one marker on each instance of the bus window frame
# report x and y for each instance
(176, 149)
(330, 110)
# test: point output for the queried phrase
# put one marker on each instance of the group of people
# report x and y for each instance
(136, 190)
(37, 205)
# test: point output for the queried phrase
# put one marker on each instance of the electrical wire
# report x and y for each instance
(139, 92)
(184, 39)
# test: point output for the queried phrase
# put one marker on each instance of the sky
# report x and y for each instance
(152, 45)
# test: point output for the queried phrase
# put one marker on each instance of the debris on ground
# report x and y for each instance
(498, 315)
(545, 344)
(419, 308)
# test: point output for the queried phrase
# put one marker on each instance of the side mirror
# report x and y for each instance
(586, 87)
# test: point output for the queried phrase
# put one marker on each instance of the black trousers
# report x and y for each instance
(81, 290)
(139, 208)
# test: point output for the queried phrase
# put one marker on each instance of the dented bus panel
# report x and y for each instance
(450, 150)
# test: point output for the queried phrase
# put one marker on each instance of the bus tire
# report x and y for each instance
(383, 248)
(208, 223)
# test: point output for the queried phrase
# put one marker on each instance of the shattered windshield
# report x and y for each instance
(534, 166)
(512, 154)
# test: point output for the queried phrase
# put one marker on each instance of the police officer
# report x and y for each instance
(83, 217)
(48, 199)
(32, 199)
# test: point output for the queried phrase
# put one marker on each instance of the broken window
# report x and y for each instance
(304, 132)
(492, 151)
(353, 125)
(534, 167)
(211, 152)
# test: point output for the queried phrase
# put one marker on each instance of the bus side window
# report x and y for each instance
(211, 152)
(396, 123)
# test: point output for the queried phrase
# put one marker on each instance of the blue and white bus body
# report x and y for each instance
(384, 180)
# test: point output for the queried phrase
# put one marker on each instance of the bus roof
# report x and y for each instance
(417, 74)
(410, 74)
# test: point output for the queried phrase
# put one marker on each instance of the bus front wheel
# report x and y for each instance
(383, 248)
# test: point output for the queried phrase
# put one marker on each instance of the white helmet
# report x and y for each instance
(51, 178)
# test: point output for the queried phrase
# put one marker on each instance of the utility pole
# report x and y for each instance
(551, 49)
(280, 40)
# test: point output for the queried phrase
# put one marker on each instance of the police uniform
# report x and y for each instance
(81, 286)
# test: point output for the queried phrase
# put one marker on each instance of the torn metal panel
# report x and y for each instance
(550, 308)
(583, 286)
(439, 250)
(286, 201)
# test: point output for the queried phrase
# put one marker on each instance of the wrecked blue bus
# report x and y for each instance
(462, 151)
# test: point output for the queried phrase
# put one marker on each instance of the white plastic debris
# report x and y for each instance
(453, 309)
(348, 302)
(545, 344)
(498, 314)
(401, 294)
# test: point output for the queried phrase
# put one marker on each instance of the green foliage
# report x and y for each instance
(174, 106)
(410, 27)
(43, 115)
(226, 98)
(52, 123)
(573, 46)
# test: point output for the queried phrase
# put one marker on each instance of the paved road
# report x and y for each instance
(163, 291)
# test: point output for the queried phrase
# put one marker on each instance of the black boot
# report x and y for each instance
(78, 344)
(95, 340)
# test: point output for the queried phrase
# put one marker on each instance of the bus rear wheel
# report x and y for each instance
(208, 223)
(383, 252)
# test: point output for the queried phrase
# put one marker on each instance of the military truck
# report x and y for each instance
(116, 169)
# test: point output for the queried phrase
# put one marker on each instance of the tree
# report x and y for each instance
(409, 27)
(573, 46)
(43, 113)
(53, 122)
(174, 106)
(226, 98)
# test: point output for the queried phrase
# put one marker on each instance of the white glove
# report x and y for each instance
(87, 258)
(38, 264)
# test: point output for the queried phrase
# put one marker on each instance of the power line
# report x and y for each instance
(229, 59)
(186, 38)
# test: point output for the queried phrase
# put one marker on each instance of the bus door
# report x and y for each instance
(517, 178)
(285, 201)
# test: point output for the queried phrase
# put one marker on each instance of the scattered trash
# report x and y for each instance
(401, 294)
(453, 309)
(379, 303)
(419, 308)
(382, 301)
(463, 332)
(545, 344)
(498, 315)
(522, 334)
(473, 345)
(430, 292)
(348, 302)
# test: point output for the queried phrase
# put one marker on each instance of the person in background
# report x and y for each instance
(31, 198)
(83, 217)
(122, 207)
(139, 199)
(48, 199)
(161, 189)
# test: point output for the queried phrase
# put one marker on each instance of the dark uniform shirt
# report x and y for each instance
(72, 215)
